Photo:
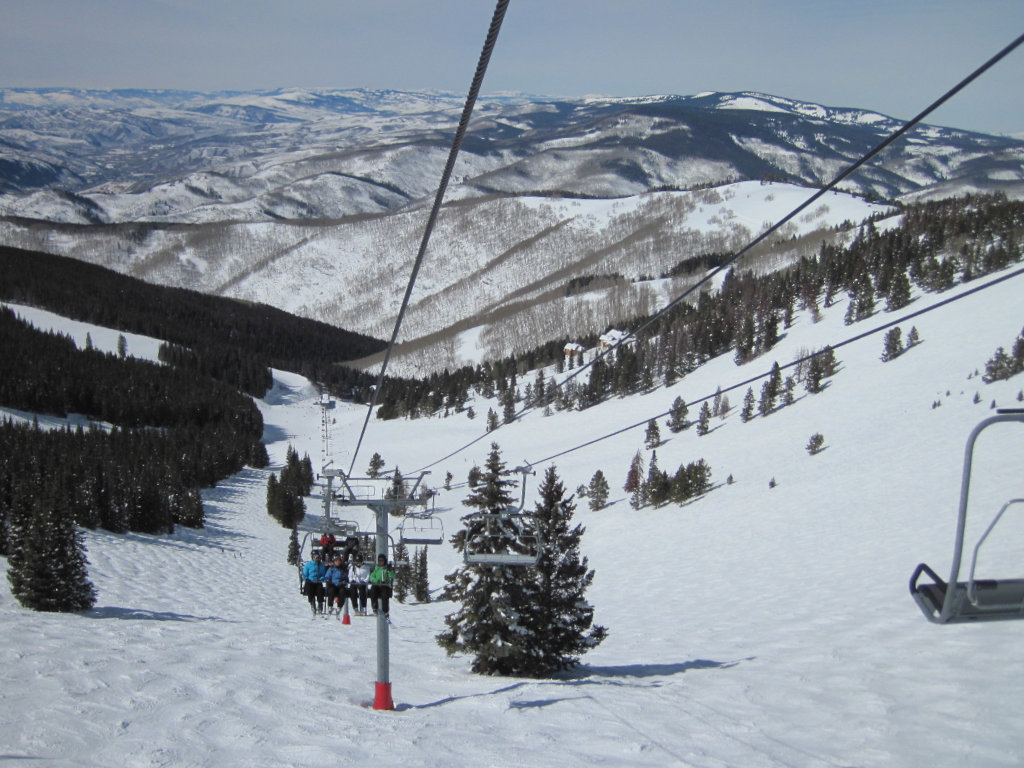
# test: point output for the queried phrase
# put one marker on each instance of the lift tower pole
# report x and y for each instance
(382, 508)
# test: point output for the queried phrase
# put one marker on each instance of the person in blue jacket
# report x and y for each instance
(313, 573)
(336, 580)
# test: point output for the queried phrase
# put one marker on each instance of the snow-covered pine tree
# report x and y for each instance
(558, 620)
(488, 623)
(47, 566)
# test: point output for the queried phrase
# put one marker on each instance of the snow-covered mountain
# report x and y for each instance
(301, 153)
(315, 200)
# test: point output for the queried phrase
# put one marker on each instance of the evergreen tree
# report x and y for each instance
(770, 390)
(635, 481)
(815, 373)
(747, 412)
(652, 438)
(491, 598)
(893, 345)
(492, 420)
(704, 419)
(421, 580)
(403, 583)
(656, 487)
(899, 291)
(598, 491)
(293, 547)
(47, 566)
(508, 405)
(558, 620)
(677, 415)
(376, 465)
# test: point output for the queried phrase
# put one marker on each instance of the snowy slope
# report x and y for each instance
(752, 627)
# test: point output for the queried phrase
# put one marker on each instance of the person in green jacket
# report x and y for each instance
(381, 579)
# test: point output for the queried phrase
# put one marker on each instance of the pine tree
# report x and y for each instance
(598, 491)
(491, 598)
(376, 465)
(747, 413)
(558, 620)
(293, 547)
(635, 481)
(652, 438)
(893, 344)
(656, 488)
(421, 579)
(508, 405)
(677, 415)
(704, 419)
(403, 583)
(47, 566)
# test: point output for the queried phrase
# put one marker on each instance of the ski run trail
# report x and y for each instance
(755, 626)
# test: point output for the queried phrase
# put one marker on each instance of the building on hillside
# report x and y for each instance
(573, 354)
(614, 337)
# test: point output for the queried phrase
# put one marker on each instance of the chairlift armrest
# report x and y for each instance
(924, 568)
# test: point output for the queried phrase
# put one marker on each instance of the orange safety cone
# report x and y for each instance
(345, 617)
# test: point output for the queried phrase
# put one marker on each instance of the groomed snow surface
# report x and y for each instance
(755, 626)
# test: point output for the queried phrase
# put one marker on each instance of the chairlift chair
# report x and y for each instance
(954, 601)
(421, 530)
(512, 521)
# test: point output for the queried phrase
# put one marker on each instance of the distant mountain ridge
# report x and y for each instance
(314, 200)
(159, 155)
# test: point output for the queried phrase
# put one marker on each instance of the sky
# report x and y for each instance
(892, 56)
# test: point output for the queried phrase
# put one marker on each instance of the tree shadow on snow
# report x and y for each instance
(585, 673)
(140, 614)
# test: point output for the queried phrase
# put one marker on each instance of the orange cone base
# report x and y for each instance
(382, 696)
(345, 619)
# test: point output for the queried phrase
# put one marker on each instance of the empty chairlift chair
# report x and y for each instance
(953, 601)
(507, 538)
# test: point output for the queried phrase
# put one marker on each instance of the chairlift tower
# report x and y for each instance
(326, 406)
(382, 508)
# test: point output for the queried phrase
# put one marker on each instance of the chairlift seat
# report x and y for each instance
(502, 558)
(994, 599)
(956, 601)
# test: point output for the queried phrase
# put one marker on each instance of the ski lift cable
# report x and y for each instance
(474, 90)
(794, 363)
(991, 62)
